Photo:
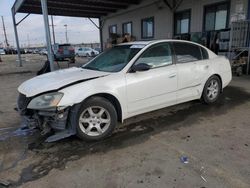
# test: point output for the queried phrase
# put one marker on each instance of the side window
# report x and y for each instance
(186, 52)
(204, 53)
(156, 56)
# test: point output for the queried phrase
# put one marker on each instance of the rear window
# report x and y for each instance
(186, 52)
(204, 53)
(61, 45)
(65, 46)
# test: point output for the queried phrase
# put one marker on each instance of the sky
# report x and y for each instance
(31, 31)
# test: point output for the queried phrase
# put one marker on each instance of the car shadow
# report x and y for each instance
(137, 130)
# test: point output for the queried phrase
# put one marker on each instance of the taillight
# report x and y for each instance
(60, 50)
(72, 49)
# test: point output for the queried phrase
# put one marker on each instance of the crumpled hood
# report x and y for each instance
(56, 80)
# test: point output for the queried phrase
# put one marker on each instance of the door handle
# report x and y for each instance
(172, 75)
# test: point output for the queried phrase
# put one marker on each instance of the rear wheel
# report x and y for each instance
(211, 90)
(72, 60)
(95, 119)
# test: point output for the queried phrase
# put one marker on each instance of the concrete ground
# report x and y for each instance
(145, 152)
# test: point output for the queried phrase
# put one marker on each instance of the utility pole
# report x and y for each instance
(53, 30)
(5, 35)
(66, 33)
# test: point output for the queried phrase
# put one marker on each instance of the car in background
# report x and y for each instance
(43, 52)
(10, 51)
(35, 51)
(2, 51)
(122, 82)
(22, 51)
(64, 51)
(86, 52)
(28, 51)
(98, 49)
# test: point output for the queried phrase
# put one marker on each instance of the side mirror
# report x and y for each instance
(140, 67)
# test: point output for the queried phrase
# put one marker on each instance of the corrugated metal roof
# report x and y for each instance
(75, 8)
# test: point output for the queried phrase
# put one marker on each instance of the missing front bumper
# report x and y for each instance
(49, 122)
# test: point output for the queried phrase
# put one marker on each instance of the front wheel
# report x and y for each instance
(211, 90)
(95, 119)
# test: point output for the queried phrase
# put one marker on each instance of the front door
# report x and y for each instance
(155, 88)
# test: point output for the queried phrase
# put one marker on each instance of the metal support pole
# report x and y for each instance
(248, 11)
(93, 23)
(22, 19)
(248, 42)
(47, 32)
(248, 63)
(53, 30)
(100, 32)
(17, 39)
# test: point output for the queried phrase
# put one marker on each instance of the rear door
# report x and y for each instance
(187, 56)
(203, 67)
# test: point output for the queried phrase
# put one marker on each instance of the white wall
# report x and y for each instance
(148, 8)
(163, 17)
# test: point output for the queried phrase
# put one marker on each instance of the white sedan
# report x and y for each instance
(127, 80)
(86, 52)
(2, 52)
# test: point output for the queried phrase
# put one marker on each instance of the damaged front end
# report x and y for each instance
(47, 120)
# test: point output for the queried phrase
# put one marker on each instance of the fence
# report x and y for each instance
(240, 38)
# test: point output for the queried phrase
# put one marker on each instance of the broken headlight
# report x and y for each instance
(45, 101)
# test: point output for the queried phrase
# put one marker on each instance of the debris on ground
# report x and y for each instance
(4, 183)
(184, 159)
(202, 170)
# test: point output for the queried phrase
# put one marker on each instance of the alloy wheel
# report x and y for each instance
(213, 89)
(94, 121)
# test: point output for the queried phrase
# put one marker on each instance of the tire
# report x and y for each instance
(95, 127)
(72, 60)
(212, 90)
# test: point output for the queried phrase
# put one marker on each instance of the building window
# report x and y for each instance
(147, 25)
(216, 16)
(127, 28)
(182, 22)
(112, 29)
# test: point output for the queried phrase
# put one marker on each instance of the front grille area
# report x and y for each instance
(22, 102)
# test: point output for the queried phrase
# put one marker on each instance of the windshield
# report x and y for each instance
(113, 60)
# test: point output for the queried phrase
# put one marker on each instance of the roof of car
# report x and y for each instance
(211, 54)
(153, 41)
(137, 43)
